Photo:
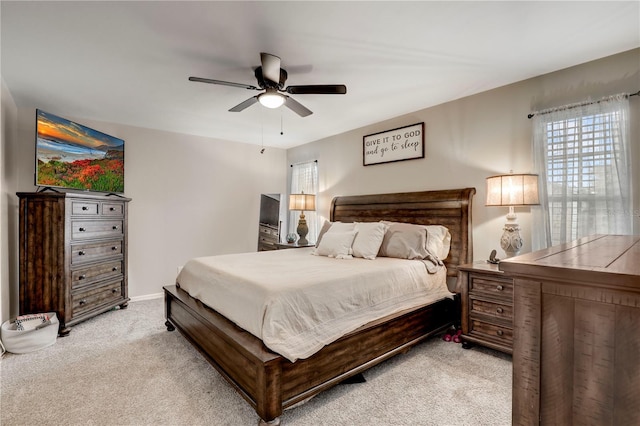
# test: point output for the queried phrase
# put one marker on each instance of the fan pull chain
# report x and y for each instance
(281, 126)
(262, 132)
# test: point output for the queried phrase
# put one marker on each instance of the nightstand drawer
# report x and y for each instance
(489, 285)
(493, 309)
(497, 333)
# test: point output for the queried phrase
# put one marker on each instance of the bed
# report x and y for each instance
(270, 382)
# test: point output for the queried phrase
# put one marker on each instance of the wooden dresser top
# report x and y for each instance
(601, 259)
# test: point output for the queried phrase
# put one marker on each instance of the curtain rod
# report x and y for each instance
(291, 165)
(531, 115)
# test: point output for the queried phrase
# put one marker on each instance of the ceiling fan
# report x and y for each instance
(271, 79)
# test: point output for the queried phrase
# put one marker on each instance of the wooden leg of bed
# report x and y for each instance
(170, 326)
(274, 422)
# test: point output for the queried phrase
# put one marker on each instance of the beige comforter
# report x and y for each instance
(297, 303)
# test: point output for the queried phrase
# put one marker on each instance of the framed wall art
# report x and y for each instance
(403, 143)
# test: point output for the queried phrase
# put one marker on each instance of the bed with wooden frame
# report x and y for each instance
(271, 383)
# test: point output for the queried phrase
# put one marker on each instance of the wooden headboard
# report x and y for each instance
(450, 208)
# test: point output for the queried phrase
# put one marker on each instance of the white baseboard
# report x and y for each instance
(146, 297)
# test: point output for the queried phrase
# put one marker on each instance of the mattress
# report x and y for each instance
(297, 303)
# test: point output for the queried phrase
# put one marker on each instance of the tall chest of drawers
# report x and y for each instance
(73, 255)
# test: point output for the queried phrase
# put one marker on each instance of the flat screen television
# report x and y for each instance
(72, 156)
(269, 210)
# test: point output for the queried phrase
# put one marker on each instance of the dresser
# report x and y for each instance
(577, 333)
(268, 237)
(73, 254)
(487, 306)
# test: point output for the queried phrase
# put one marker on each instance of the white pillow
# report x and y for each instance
(325, 227)
(336, 226)
(342, 227)
(439, 240)
(368, 239)
(336, 244)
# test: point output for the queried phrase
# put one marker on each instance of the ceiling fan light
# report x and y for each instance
(271, 99)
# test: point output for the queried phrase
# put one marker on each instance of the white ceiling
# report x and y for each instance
(129, 62)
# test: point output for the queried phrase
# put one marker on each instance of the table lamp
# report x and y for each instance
(302, 202)
(512, 190)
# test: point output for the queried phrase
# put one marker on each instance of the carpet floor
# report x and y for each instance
(125, 368)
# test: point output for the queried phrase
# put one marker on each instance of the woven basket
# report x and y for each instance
(22, 342)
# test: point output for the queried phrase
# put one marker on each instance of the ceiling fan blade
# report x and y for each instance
(270, 67)
(223, 83)
(318, 89)
(297, 107)
(244, 105)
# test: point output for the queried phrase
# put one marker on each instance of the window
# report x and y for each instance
(304, 178)
(582, 154)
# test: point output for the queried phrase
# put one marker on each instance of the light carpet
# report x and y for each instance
(125, 368)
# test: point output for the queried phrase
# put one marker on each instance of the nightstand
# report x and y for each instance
(281, 246)
(487, 307)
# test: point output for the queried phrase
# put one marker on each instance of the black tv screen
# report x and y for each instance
(269, 210)
(72, 156)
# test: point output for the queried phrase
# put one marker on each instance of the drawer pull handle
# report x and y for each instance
(114, 248)
(499, 287)
(499, 332)
(499, 310)
(82, 229)
(81, 253)
(115, 268)
(111, 208)
(85, 208)
(114, 290)
(82, 277)
(83, 301)
(115, 227)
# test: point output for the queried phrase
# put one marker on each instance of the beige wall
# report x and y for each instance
(8, 226)
(196, 196)
(471, 138)
(191, 196)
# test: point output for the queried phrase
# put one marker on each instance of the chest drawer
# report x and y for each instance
(83, 253)
(86, 229)
(94, 297)
(90, 274)
(85, 208)
(112, 209)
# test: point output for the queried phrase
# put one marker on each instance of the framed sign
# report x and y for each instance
(404, 143)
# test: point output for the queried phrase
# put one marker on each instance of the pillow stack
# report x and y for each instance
(368, 240)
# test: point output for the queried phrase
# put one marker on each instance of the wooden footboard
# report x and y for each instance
(271, 383)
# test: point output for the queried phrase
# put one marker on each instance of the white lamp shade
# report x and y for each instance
(302, 202)
(512, 190)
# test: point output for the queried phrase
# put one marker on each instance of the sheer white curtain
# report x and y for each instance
(304, 178)
(581, 153)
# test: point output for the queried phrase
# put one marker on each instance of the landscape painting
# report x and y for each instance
(70, 155)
